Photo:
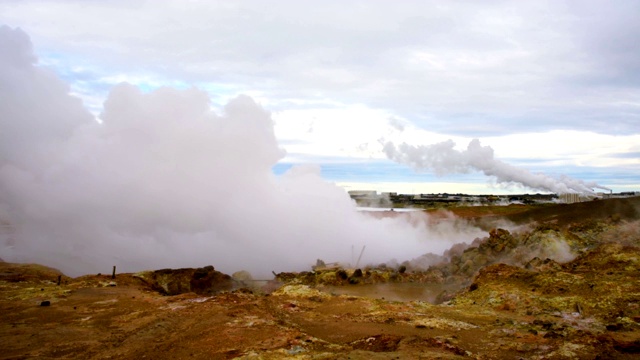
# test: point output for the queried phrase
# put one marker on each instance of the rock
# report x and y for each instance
(499, 239)
(629, 347)
(242, 276)
(320, 264)
(614, 327)
(203, 272)
(480, 260)
(296, 350)
(378, 343)
(533, 264)
(285, 277)
(467, 267)
(341, 275)
(45, 303)
(203, 281)
(355, 277)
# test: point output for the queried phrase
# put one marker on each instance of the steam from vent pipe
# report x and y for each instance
(443, 159)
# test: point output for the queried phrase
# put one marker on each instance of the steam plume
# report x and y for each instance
(164, 181)
(443, 159)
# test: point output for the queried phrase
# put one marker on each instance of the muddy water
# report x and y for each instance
(394, 291)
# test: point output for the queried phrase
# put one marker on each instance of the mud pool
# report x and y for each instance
(432, 293)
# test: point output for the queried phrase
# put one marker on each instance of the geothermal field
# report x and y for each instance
(542, 281)
(235, 180)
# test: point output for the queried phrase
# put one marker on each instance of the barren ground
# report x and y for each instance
(587, 308)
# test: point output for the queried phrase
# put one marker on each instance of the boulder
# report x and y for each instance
(203, 281)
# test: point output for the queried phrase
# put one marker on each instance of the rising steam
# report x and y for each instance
(443, 159)
(164, 181)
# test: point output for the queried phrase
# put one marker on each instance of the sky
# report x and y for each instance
(547, 87)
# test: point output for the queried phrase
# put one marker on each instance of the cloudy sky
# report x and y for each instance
(550, 86)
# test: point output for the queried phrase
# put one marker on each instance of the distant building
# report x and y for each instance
(575, 198)
(363, 194)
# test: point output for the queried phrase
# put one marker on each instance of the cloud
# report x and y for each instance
(610, 35)
(164, 181)
(446, 68)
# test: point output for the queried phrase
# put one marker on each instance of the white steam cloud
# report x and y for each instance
(443, 159)
(164, 181)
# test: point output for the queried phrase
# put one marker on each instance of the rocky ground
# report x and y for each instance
(563, 282)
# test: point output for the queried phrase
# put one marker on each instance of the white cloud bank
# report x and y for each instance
(461, 67)
(165, 182)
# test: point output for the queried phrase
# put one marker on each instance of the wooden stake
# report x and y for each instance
(360, 257)
(113, 274)
(59, 278)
